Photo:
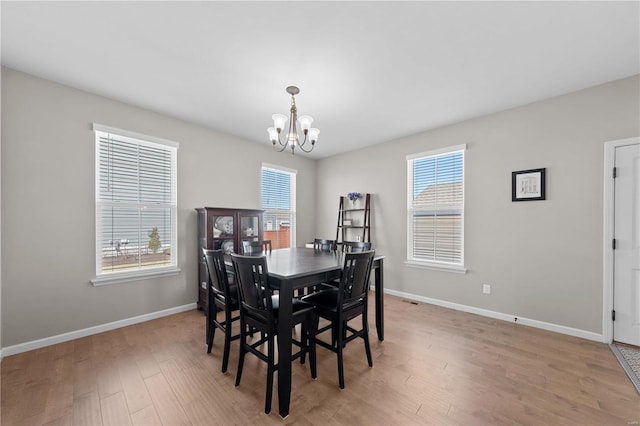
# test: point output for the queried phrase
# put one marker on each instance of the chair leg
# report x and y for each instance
(365, 336)
(243, 351)
(212, 330)
(304, 339)
(334, 334)
(313, 327)
(227, 347)
(270, 370)
(340, 347)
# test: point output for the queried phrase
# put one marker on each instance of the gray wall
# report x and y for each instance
(48, 214)
(543, 259)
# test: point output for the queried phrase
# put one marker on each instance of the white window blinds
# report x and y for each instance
(136, 203)
(436, 207)
(279, 204)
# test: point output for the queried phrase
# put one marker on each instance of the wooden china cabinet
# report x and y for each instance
(226, 229)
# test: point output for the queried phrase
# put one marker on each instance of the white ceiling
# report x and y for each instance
(368, 72)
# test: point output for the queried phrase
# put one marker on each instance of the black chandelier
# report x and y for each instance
(292, 139)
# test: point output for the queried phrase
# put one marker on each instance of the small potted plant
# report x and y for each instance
(353, 196)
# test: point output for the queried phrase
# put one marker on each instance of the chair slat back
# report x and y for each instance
(214, 260)
(355, 246)
(354, 279)
(324, 245)
(252, 278)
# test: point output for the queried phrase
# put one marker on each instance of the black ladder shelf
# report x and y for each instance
(358, 227)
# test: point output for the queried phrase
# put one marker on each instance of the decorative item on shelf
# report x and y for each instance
(292, 139)
(353, 196)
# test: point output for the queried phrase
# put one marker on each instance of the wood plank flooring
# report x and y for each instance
(436, 366)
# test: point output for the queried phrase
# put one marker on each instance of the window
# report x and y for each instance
(136, 206)
(279, 204)
(435, 209)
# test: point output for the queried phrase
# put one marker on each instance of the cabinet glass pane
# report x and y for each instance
(249, 226)
(222, 226)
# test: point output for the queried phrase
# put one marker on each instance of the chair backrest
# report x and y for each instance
(355, 246)
(354, 278)
(252, 247)
(218, 279)
(252, 279)
(324, 245)
(266, 245)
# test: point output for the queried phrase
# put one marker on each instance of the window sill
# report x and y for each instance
(123, 277)
(445, 267)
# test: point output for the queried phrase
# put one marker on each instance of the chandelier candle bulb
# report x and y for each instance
(278, 121)
(305, 123)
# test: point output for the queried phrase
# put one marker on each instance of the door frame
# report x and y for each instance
(608, 234)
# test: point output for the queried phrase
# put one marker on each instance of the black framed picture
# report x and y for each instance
(528, 185)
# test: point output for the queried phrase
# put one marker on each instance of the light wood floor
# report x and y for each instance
(436, 366)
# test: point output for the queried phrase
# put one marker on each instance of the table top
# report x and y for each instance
(299, 261)
(295, 262)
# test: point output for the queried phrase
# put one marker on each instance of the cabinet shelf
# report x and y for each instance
(362, 215)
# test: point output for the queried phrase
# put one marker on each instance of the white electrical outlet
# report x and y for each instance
(486, 289)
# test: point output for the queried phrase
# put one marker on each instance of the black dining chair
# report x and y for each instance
(259, 309)
(223, 295)
(252, 247)
(324, 245)
(266, 246)
(355, 246)
(344, 303)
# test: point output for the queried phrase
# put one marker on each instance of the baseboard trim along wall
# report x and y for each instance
(48, 341)
(501, 316)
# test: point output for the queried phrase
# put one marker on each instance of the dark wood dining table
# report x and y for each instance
(300, 267)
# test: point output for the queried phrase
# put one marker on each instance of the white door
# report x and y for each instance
(626, 280)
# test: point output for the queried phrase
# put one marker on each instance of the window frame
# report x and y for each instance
(411, 260)
(293, 198)
(106, 278)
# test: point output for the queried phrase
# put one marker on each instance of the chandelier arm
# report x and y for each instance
(303, 142)
(281, 143)
(283, 146)
(305, 150)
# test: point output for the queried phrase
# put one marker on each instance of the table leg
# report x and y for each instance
(379, 278)
(284, 348)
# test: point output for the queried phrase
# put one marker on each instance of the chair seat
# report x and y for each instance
(326, 299)
(298, 306)
(233, 300)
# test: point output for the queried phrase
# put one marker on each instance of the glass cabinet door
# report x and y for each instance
(223, 230)
(250, 227)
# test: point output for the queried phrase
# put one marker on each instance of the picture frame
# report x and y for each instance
(528, 185)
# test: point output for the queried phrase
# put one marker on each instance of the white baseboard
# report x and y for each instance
(501, 316)
(47, 341)
(40, 343)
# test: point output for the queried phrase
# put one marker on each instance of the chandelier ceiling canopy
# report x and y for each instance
(292, 138)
